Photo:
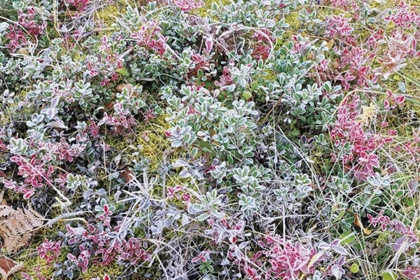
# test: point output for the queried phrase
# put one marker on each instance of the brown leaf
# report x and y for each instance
(358, 223)
(5, 211)
(2, 200)
(9, 267)
(127, 175)
(121, 87)
(17, 226)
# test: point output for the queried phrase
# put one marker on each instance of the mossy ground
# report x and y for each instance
(147, 142)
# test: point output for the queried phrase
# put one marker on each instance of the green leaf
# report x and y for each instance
(123, 71)
(246, 95)
(410, 202)
(203, 217)
(339, 217)
(187, 138)
(375, 201)
(327, 87)
(347, 237)
(402, 87)
(230, 158)
(389, 275)
(354, 268)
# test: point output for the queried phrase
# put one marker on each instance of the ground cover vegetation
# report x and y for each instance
(209, 139)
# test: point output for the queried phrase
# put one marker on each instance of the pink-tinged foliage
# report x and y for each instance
(188, 5)
(261, 51)
(301, 45)
(408, 235)
(404, 17)
(226, 79)
(367, 163)
(345, 79)
(161, 51)
(199, 62)
(356, 60)
(106, 245)
(26, 29)
(338, 27)
(203, 256)
(209, 44)
(38, 274)
(39, 169)
(252, 273)
(149, 115)
(348, 131)
(398, 48)
(149, 36)
(223, 230)
(172, 191)
(27, 21)
(81, 261)
(411, 272)
(17, 39)
(49, 251)
(79, 5)
(288, 259)
(120, 123)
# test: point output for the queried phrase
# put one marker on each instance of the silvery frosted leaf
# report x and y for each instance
(30, 124)
(180, 163)
(196, 208)
(155, 230)
(323, 245)
(399, 242)
(339, 249)
(185, 219)
(412, 187)
(3, 26)
(203, 217)
(184, 173)
(57, 124)
(337, 271)
(225, 262)
(176, 144)
(54, 101)
(198, 174)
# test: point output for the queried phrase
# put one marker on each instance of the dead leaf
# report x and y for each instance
(18, 226)
(2, 200)
(121, 87)
(358, 223)
(9, 267)
(127, 175)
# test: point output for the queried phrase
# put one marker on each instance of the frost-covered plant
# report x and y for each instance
(254, 139)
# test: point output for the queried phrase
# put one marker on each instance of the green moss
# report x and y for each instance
(151, 137)
(112, 270)
(105, 17)
(12, 111)
(204, 11)
(31, 259)
(34, 263)
(4, 118)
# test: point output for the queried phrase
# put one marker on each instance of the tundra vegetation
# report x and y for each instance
(192, 139)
